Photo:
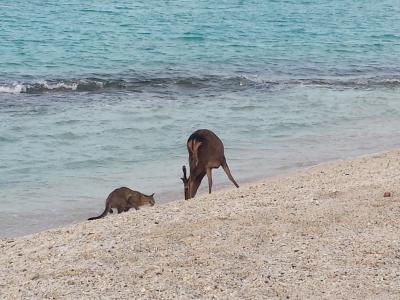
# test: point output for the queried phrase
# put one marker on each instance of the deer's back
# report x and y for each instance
(211, 147)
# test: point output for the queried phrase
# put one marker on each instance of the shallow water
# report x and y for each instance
(96, 96)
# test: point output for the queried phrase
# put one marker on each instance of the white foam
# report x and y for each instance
(59, 85)
(13, 89)
(17, 88)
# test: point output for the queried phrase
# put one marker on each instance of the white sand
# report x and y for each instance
(325, 232)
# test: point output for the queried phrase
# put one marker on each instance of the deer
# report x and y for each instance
(206, 152)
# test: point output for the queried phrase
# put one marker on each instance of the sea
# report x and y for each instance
(95, 95)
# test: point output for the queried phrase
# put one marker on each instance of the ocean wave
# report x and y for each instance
(13, 89)
(353, 82)
(214, 82)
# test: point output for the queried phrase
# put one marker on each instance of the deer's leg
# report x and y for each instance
(120, 209)
(110, 211)
(209, 176)
(228, 172)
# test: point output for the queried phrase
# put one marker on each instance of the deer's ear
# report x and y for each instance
(152, 195)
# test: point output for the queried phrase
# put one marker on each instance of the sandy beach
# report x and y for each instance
(325, 232)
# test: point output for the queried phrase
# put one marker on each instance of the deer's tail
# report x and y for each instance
(105, 212)
(228, 172)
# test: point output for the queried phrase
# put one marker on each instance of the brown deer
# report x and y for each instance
(206, 152)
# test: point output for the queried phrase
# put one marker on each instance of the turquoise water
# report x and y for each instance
(99, 94)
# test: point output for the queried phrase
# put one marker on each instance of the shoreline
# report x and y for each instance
(177, 196)
(323, 231)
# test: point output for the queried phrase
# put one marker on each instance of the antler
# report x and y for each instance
(184, 178)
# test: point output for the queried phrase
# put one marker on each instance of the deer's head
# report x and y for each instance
(192, 183)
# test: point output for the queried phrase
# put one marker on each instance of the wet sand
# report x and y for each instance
(323, 232)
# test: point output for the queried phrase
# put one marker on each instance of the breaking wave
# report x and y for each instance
(212, 81)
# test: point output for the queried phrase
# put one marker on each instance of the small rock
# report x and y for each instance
(36, 276)
(387, 194)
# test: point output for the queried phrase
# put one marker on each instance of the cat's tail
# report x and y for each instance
(105, 212)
